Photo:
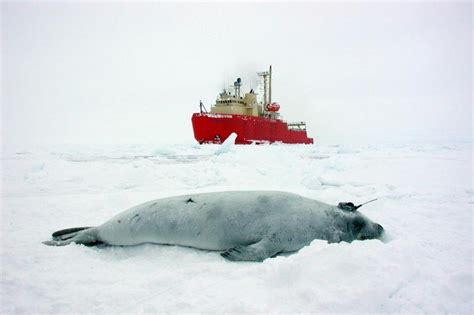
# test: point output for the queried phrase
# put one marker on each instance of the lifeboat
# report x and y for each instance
(273, 107)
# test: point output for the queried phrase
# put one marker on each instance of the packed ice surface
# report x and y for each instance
(425, 205)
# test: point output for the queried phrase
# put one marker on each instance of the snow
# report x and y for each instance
(425, 205)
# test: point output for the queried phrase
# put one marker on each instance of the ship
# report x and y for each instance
(252, 121)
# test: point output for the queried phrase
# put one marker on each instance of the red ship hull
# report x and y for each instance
(215, 128)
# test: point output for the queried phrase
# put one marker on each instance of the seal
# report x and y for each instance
(245, 225)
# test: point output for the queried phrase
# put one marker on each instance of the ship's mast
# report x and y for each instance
(264, 89)
(270, 86)
(267, 86)
(237, 85)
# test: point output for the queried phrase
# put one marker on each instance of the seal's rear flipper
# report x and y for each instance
(80, 235)
(255, 252)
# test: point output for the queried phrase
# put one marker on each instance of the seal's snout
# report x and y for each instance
(380, 229)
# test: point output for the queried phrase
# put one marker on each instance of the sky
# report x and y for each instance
(123, 72)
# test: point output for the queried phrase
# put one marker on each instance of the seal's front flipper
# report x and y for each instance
(255, 252)
(65, 234)
(83, 235)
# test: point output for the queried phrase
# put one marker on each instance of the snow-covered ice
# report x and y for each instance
(425, 204)
(227, 144)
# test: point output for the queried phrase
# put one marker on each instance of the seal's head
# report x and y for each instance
(364, 229)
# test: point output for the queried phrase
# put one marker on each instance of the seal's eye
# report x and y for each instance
(357, 225)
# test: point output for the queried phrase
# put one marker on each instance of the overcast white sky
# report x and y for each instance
(135, 72)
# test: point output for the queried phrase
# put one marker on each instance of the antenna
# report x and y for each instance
(366, 203)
